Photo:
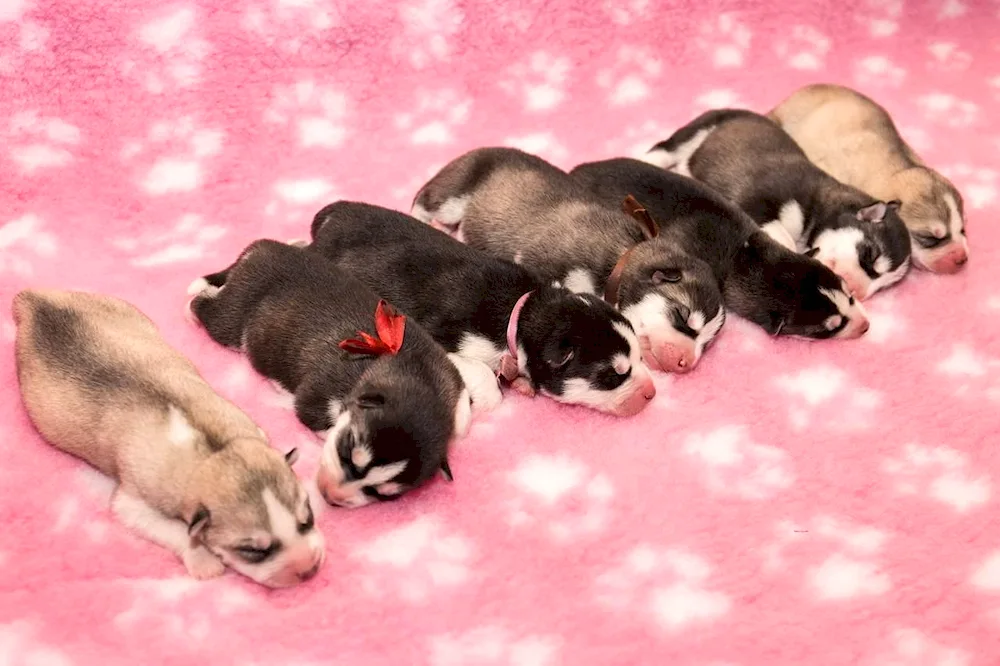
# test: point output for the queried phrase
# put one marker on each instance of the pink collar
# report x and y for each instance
(508, 362)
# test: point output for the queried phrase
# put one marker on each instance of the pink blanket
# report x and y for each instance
(788, 503)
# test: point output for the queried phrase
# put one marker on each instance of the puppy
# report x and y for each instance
(521, 208)
(574, 348)
(388, 403)
(854, 139)
(755, 164)
(778, 289)
(195, 475)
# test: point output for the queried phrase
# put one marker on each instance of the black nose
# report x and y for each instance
(306, 575)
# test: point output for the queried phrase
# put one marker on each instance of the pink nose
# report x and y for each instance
(951, 262)
(675, 358)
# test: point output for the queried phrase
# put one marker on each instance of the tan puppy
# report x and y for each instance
(195, 474)
(854, 140)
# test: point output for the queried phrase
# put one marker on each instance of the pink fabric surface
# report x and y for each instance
(787, 503)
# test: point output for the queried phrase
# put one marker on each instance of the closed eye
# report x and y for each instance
(254, 555)
(928, 241)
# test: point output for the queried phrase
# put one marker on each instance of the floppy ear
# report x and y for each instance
(199, 521)
(371, 400)
(446, 471)
(291, 457)
(874, 213)
(894, 204)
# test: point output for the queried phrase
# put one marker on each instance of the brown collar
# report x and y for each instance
(650, 230)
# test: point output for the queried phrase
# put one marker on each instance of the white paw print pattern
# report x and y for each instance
(717, 98)
(433, 116)
(181, 146)
(910, 647)
(979, 186)
(36, 142)
(948, 110)
(881, 17)
(887, 322)
(414, 560)
(187, 240)
(19, 644)
(629, 80)
(316, 111)
(31, 37)
(951, 9)
(24, 236)
(625, 12)
(971, 372)
(494, 646)
(295, 197)
(725, 39)
(827, 395)
(176, 607)
(543, 144)
(941, 473)
(734, 464)
(878, 71)
(805, 48)
(173, 52)
(539, 81)
(986, 576)
(561, 495)
(637, 139)
(284, 22)
(670, 586)
(427, 27)
(949, 57)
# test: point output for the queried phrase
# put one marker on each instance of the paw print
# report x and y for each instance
(637, 139)
(881, 17)
(186, 145)
(414, 560)
(971, 372)
(543, 144)
(671, 586)
(179, 605)
(948, 109)
(941, 473)
(427, 27)
(734, 464)
(630, 78)
(172, 52)
(187, 240)
(948, 57)
(21, 645)
(297, 199)
(24, 236)
(805, 48)
(20, 37)
(285, 23)
(625, 12)
(718, 98)
(493, 646)
(726, 40)
(878, 70)
(979, 187)
(539, 81)
(561, 495)
(909, 647)
(433, 116)
(316, 111)
(35, 142)
(987, 575)
(887, 323)
(827, 394)
(951, 9)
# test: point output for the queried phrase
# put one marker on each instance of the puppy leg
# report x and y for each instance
(167, 532)
(317, 404)
(480, 381)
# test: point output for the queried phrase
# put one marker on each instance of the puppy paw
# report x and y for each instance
(480, 381)
(202, 564)
(523, 386)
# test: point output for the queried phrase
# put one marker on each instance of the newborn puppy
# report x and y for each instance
(854, 139)
(521, 208)
(574, 348)
(194, 474)
(391, 402)
(755, 164)
(778, 289)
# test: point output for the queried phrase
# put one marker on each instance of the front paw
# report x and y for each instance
(202, 564)
(523, 386)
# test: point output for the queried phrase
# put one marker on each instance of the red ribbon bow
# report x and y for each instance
(389, 327)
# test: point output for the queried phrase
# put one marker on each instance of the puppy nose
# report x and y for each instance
(306, 575)
(960, 261)
(863, 328)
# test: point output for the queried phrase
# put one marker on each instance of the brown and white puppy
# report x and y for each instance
(852, 138)
(389, 401)
(518, 207)
(752, 162)
(195, 474)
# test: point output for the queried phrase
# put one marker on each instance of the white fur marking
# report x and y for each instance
(882, 264)
(678, 160)
(791, 217)
(709, 331)
(620, 364)
(361, 456)
(478, 348)
(179, 430)
(420, 213)
(479, 381)
(452, 210)
(463, 414)
(696, 320)
(839, 299)
(955, 222)
(579, 281)
(888, 279)
(201, 287)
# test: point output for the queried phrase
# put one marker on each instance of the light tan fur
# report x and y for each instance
(195, 474)
(855, 140)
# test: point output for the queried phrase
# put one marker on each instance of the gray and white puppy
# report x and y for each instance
(852, 138)
(388, 407)
(574, 348)
(521, 208)
(194, 473)
(754, 163)
(784, 292)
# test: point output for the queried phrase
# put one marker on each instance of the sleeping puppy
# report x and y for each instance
(574, 348)
(854, 139)
(194, 474)
(519, 207)
(778, 289)
(756, 165)
(378, 386)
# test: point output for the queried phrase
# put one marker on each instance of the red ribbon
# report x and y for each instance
(389, 327)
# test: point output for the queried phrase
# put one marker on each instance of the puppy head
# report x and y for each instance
(578, 349)
(391, 436)
(250, 509)
(673, 302)
(934, 214)
(869, 248)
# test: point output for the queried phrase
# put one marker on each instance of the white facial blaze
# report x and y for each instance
(708, 332)
(955, 222)
(350, 493)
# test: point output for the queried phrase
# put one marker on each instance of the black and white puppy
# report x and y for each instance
(521, 208)
(751, 161)
(389, 399)
(574, 348)
(784, 292)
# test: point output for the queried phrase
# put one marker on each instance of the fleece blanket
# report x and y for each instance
(787, 503)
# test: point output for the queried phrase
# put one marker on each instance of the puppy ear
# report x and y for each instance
(371, 400)
(873, 214)
(446, 471)
(292, 456)
(199, 521)
(811, 252)
(776, 323)
(895, 204)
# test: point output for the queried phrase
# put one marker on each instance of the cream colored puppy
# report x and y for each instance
(195, 474)
(855, 140)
